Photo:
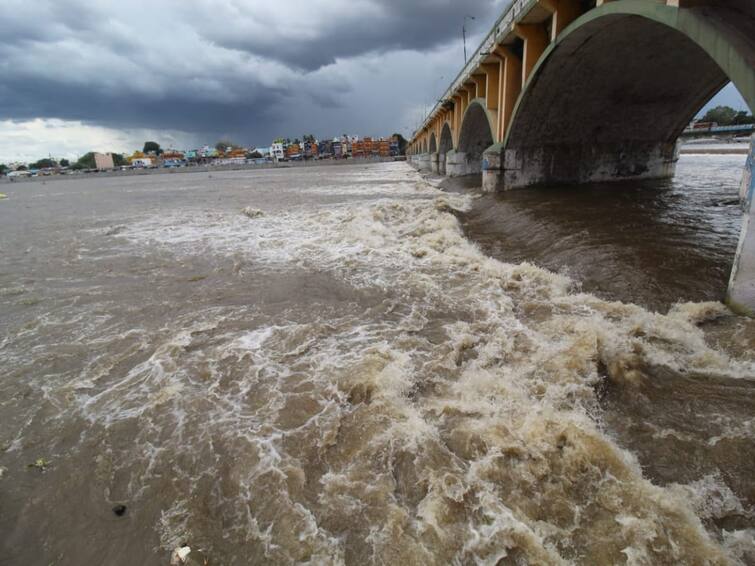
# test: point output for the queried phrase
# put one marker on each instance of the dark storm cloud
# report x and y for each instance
(375, 26)
(206, 66)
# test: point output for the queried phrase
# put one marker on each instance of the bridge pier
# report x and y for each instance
(424, 162)
(588, 163)
(434, 163)
(456, 163)
(492, 168)
(741, 293)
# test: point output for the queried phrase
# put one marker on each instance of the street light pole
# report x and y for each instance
(464, 35)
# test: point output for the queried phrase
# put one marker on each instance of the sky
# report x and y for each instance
(82, 75)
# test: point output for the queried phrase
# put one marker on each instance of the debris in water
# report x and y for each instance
(113, 230)
(179, 555)
(41, 464)
(2, 471)
(252, 212)
(3, 195)
(119, 510)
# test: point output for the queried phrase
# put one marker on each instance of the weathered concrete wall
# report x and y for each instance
(423, 162)
(456, 164)
(492, 168)
(434, 162)
(741, 294)
(588, 163)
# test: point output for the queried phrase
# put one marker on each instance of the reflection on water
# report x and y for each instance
(346, 378)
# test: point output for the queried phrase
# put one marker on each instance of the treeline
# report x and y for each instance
(727, 116)
(84, 162)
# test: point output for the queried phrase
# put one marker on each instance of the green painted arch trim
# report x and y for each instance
(697, 29)
(482, 103)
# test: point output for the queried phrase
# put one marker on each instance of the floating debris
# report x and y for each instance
(179, 555)
(119, 510)
(113, 230)
(252, 212)
(41, 464)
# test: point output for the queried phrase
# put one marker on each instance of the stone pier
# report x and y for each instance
(741, 293)
(434, 161)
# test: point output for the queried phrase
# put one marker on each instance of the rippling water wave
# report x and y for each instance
(344, 377)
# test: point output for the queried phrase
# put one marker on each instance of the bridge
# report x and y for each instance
(579, 91)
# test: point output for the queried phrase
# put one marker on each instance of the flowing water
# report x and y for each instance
(348, 365)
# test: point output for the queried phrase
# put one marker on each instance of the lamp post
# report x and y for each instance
(464, 35)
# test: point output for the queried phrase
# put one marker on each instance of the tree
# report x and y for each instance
(65, 163)
(3, 169)
(722, 115)
(86, 161)
(743, 117)
(152, 147)
(254, 155)
(224, 145)
(119, 159)
(402, 143)
(45, 163)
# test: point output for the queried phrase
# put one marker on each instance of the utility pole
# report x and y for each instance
(464, 35)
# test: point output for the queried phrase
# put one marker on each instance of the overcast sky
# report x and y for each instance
(81, 75)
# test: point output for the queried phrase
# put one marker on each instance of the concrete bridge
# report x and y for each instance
(578, 91)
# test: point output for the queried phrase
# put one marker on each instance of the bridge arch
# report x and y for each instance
(446, 145)
(475, 136)
(570, 127)
(433, 144)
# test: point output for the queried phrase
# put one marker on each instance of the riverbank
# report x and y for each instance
(200, 169)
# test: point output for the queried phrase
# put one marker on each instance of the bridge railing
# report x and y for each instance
(502, 24)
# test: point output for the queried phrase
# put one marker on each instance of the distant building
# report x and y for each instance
(142, 162)
(357, 148)
(278, 150)
(293, 151)
(383, 147)
(103, 161)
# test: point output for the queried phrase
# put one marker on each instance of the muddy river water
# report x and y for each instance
(347, 365)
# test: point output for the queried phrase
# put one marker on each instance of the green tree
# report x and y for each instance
(402, 143)
(743, 117)
(152, 147)
(224, 145)
(119, 159)
(65, 163)
(253, 155)
(45, 163)
(86, 161)
(3, 168)
(722, 115)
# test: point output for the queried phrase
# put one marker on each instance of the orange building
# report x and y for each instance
(384, 147)
(293, 151)
(357, 149)
(238, 152)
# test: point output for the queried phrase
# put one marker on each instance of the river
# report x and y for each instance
(334, 365)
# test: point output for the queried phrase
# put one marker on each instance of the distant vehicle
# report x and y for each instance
(12, 174)
(704, 125)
